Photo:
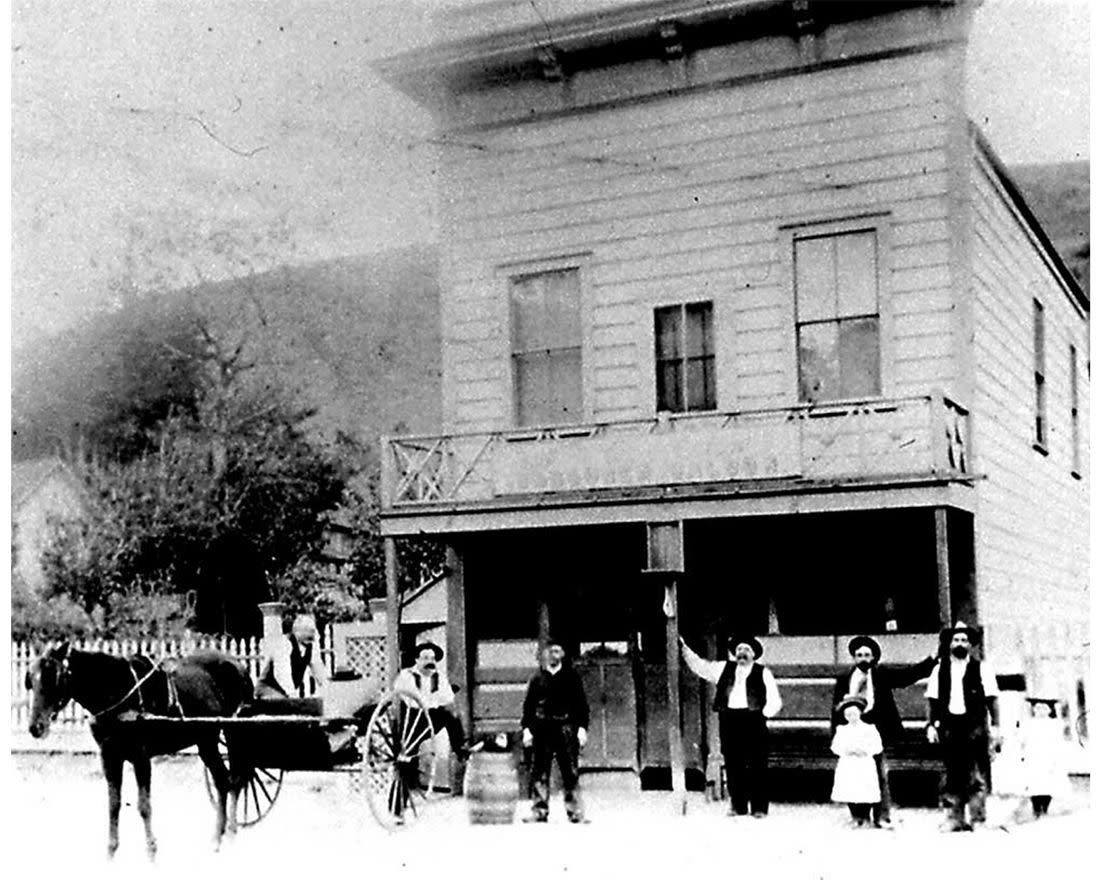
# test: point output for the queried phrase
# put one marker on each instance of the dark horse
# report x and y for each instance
(116, 690)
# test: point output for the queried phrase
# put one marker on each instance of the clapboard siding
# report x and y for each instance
(1032, 531)
(685, 199)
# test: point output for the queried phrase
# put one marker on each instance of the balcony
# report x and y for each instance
(870, 441)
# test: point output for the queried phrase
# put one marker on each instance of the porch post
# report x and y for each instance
(393, 612)
(457, 646)
(665, 556)
(943, 568)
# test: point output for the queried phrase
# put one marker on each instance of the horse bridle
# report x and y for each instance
(64, 674)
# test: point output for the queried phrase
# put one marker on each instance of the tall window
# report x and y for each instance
(684, 337)
(546, 347)
(1040, 375)
(1074, 424)
(836, 295)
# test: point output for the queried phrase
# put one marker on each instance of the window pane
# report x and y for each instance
(566, 394)
(548, 387)
(667, 332)
(856, 274)
(700, 387)
(532, 373)
(562, 299)
(859, 358)
(1040, 337)
(669, 386)
(527, 315)
(699, 332)
(818, 363)
(815, 278)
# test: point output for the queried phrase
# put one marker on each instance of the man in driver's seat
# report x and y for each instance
(427, 678)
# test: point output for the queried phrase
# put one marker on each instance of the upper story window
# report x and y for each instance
(684, 336)
(546, 347)
(1074, 415)
(1040, 376)
(837, 315)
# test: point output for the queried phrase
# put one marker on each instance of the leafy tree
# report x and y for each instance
(226, 496)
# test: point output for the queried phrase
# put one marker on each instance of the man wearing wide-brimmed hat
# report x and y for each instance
(875, 684)
(746, 697)
(555, 725)
(962, 712)
(427, 678)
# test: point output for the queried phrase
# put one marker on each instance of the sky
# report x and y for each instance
(160, 141)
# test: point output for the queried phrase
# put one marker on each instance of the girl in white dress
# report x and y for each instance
(855, 744)
(1044, 746)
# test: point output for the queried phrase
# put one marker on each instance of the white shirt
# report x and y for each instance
(444, 695)
(956, 705)
(711, 670)
(280, 668)
(858, 675)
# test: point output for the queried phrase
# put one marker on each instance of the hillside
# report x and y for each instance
(1058, 194)
(356, 338)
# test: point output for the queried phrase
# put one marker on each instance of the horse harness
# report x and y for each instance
(173, 705)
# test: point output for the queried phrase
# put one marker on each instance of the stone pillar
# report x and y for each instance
(273, 627)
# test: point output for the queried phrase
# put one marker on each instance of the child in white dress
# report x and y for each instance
(855, 744)
(1043, 747)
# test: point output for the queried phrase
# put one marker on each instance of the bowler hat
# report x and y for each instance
(745, 639)
(865, 642)
(429, 646)
(851, 700)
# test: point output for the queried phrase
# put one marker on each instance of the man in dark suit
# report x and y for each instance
(876, 684)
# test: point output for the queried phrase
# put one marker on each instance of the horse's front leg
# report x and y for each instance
(112, 770)
(208, 751)
(143, 774)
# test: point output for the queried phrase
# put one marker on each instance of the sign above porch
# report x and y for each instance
(621, 460)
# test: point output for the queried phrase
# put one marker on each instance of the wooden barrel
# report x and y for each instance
(492, 788)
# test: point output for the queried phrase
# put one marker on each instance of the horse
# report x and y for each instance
(116, 690)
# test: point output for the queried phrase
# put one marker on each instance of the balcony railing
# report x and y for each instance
(867, 441)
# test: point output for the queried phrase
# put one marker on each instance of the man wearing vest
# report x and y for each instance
(284, 673)
(555, 725)
(875, 684)
(745, 698)
(428, 680)
(962, 711)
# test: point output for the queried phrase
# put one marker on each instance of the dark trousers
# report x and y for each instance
(880, 812)
(1040, 803)
(443, 717)
(966, 768)
(556, 740)
(744, 739)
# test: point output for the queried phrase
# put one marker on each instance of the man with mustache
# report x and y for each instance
(875, 684)
(428, 680)
(962, 713)
(746, 697)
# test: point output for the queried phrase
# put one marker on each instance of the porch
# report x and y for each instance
(796, 448)
(806, 583)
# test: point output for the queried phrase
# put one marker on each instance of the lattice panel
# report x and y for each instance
(367, 656)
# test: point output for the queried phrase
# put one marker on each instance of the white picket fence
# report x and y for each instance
(24, 654)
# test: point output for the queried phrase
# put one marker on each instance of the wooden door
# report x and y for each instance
(612, 731)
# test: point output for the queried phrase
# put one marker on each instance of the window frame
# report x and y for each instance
(878, 225)
(507, 274)
(684, 359)
(1074, 413)
(1040, 422)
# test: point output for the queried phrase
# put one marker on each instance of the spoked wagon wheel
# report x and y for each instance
(399, 760)
(258, 795)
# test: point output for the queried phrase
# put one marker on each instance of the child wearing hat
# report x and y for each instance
(855, 744)
(1043, 754)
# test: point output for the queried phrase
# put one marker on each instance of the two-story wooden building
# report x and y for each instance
(747, 267)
